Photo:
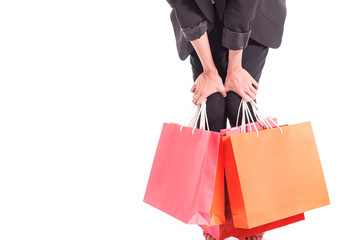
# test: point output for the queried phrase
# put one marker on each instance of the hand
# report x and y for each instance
(241, 82)
(206, 84)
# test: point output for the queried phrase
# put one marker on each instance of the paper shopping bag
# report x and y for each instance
(182, 180)
(221, 232)
(217, 210)
(274, 175)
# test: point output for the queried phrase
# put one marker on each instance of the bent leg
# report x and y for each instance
(253, 61)
(215, 103)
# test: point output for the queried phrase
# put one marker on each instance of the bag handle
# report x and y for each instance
(263, 118)
(197, 111)
(246, 115)
(259, 117)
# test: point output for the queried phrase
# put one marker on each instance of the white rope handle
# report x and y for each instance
(256, 107)
(243, 128)
(245, 111)
(237, 118)
(198, 111)
(203, 115)
(193, 112)
(259, 117)
(251, 122)
(246, 116)
(195, 116)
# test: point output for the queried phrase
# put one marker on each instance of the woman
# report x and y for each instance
(228, 41)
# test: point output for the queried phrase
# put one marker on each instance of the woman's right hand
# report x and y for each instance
(206, 84)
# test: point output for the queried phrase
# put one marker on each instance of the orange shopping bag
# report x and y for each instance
(273, 174)
(223, 231)
(185, 167)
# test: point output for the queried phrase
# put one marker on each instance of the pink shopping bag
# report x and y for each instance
(182, 177)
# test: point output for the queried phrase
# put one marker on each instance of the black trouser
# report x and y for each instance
(253, 60)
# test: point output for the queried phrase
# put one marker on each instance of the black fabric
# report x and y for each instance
(261, 20)
(234, 40)
(193, 33)
(219, 109)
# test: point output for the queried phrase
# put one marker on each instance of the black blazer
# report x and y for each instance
(262, 20)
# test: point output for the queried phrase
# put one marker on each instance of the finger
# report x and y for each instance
(251, 94)
(223, 92)
(195, 96)
(227, 88)
(201, 100)
(253, 90)
(194, 101)
(197, 93)
(193, 88)
(255, 83)
(244, 96)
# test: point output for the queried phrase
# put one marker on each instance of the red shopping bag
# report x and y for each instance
(221, 232)
(182, 177)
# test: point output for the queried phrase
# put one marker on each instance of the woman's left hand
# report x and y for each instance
(241, 82)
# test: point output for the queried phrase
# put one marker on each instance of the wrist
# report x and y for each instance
(210, 71)
(234, 70)
(235, 61)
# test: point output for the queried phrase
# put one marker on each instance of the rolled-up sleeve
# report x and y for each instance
(195, 32)
(191, 20)
(238, 17)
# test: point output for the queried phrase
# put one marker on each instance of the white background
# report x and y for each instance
(86, 85)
